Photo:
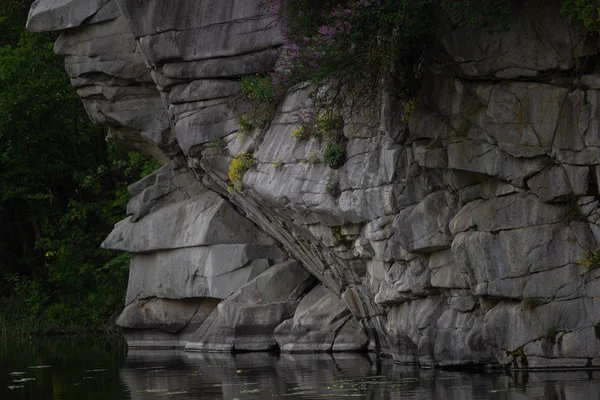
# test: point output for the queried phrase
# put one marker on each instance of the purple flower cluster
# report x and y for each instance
(313, 39)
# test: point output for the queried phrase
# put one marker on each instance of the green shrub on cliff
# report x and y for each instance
(354, 44)
(347, 48)
(586, 12)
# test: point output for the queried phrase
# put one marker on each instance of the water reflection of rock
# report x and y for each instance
(216, 375)
(156, 374)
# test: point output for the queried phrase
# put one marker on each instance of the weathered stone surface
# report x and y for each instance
(519, 263)
(248, 318)
(202, 220)
(538, 41)
(51, 15)
(167, 315)
(515, 211)
(431, 333)
(170, 184)
(424, 228)
(318, 326)
(207, 271)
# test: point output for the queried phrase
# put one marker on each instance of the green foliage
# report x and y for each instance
(278, 164)
(409, 107)
(349, 46)
(217, 143)
(257, 87)
(551, 333)
(248, 123)
(62, 189)
(319, 121)
(255, 103)
(334, 154)
(586, 12)
(238, 167)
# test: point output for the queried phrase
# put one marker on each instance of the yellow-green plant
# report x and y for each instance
(591, 260)
(238, 167)
(246, 127)
(278, 163)
(257, 87)
(409, 107)
(312, 157)
(329, 123)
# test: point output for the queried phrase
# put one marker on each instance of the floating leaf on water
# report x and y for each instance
(376, 377)
(23, 380)
(40, 366)
(239, 371)
(303, 388)
(407, 380)
(17, 373)
(335, 387)
(250, 391)
(96, 370)
(13, 387)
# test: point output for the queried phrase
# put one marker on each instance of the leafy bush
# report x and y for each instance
(334, 155)
(258, 88)
(586, 12)
(351, 45)
(255, 104)
(317, 123)
(238, 167)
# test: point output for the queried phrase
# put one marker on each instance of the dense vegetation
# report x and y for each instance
(62, 187)
(347, 48)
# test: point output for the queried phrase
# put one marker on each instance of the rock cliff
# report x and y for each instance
(454, 239)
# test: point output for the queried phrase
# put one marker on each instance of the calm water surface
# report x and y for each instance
(99, 368)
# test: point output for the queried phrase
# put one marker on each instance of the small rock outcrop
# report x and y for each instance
(454, 239)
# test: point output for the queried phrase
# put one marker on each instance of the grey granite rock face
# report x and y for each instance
(321, 323)
(454, 239)
(247, 319)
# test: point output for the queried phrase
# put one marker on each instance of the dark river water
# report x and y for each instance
(100, 368)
